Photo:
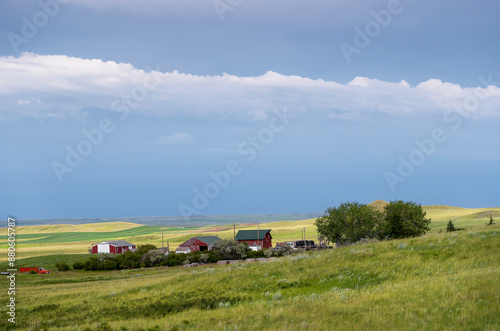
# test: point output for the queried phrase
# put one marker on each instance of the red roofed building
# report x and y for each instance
(200, 243)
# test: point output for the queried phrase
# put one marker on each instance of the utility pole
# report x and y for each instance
(162, 240)
(305, 243)
(258, 236)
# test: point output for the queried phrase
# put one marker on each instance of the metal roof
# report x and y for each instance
(251, 234)
(209, 240)
(117, 243)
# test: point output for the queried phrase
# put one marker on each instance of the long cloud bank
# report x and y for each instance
(58, 86)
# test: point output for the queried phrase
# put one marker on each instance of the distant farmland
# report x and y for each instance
(175, 221)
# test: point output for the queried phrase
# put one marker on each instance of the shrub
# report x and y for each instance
(492, 221)
(230, 249)
(152, 258)
(62, 266)
(204, 257)
(283, 251)
(255, 254)
(78, 265)
(103, 257)
(174, 259)
(268, 252)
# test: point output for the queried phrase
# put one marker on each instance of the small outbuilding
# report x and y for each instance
(183, 250)
(114, 247)
(256, 239)
(201, 244)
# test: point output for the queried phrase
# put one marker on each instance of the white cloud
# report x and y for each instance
(69, 86)
(174, 139)
(28, 101)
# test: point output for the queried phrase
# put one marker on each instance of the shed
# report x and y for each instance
(256, 239)
(183, 250)
(204, 243)
(114, 247)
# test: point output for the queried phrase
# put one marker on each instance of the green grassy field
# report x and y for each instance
(442, 281)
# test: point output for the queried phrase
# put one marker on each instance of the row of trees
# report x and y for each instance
(149, 256)
(352, 221)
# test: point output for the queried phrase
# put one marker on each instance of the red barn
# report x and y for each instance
(114, 247)
(201, 244)
(256, 239)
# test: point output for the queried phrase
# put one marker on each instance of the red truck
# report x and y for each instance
(37, 270)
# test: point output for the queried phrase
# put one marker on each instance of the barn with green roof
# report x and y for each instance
(256, 239)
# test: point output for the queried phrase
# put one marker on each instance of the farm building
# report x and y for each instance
(256, 239)
(183, 250)
(115, 247)
(200, 243)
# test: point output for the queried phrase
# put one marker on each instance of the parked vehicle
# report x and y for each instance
(37, 270)
(307, 244)
(286, 243)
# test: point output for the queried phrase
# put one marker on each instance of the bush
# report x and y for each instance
(204, 258)
(104, 257)
(174, 259)
(230, 249)
(153, 258)
(283, 251)
(255, 254)
(268, 252)
(79, 265)
(62, 266)
(492, 221)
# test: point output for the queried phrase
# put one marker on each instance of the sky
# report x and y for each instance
(121, 108)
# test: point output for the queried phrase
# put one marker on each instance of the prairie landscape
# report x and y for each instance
(438, 281)
(167, 165)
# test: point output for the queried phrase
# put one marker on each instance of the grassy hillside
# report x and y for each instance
(378, 204)
(440, 281)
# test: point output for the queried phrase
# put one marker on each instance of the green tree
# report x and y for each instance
(450, 227)
(230, 249)
(152, 258)
(404, 219)
(350, 222)
(492, 221)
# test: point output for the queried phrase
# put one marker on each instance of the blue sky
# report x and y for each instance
(124, 108)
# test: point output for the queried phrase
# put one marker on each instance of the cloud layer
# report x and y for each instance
(63, 87)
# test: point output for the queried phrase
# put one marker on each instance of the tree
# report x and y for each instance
(450, 227)
(350, 222)
(404, 219)
(491, 222)
(231, 249)
(152, 258)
